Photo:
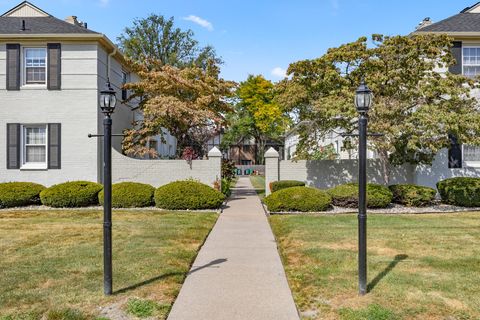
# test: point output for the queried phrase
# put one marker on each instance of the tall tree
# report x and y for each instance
(186, 102)
(416, 107)
(155, 42)
(256, 115)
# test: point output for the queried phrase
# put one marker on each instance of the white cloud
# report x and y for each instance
(104, 3)
(279, 72)
(201, 22)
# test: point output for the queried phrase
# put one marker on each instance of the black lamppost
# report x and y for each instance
(107, 105)
(363, 102)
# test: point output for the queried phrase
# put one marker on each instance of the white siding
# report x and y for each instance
(75, 107)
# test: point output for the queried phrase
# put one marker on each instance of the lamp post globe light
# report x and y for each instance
(363, 102)
(108, 101)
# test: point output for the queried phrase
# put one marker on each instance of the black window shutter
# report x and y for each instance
(457, 54)
(54, 79)
(454, 153)
(54, 145)
(13, 66)
(13, 146)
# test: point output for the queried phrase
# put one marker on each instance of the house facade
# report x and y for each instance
(51, 74)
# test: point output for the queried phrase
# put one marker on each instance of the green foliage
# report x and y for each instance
(17, 194)
(188, 195)
(412, 195)
(322, 153)
(71, 194)
(130, 195)
(302, 199)
(461, 191)
(155, 41)
(256, 115)
(372, 312)
(66, 314)
(228, 169)
(141, 308)
(409, 108)
(284, 184)
(346, 195)
(227, 187)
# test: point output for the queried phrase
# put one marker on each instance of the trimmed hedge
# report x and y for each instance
(130, 195)
(302, 199)
(412, 195)
(284, 184)
(346, 195)
(19, 194)
(461, 191)
(71, 194)
(188, 195)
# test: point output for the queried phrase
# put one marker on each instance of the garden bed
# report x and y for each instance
(391, 209)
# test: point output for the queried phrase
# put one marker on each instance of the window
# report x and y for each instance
(471, 61)
(471, 154)
(34, 146)
(35, 65)
(125, 80)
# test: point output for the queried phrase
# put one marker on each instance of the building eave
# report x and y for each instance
(98, 37)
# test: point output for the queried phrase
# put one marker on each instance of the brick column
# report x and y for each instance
(272, 168)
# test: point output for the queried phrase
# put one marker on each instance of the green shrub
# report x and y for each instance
(284, 184)
(71, 194)
(412, 195)
(18, 194)
(188, 195)
(130, 195)
(346, 195)
(462, 191)
(302, 199)
(227, 186)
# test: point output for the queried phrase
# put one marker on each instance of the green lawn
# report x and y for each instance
(258, 183)
(51, 261)
(420, 266)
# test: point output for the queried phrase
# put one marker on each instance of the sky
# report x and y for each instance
(260, 36)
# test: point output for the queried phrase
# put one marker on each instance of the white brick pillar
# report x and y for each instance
(215, 159)
(272, 168)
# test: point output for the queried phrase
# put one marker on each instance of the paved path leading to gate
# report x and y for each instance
(238, 273)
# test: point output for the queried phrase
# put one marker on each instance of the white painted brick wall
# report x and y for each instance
(160, 172)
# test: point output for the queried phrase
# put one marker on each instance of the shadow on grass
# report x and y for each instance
(398, 258)
(166, 275)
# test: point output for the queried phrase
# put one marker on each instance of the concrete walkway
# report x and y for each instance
(238, 273)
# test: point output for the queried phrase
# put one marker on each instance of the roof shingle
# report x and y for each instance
(39, 25)
(462, 22)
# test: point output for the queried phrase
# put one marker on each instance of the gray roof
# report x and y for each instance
(39, 25)
(462, 22)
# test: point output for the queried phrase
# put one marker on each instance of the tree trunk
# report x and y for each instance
(383, 154)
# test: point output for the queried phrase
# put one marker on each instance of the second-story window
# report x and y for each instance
(35, 65)
(471, 61)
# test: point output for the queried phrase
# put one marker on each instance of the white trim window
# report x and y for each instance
(34, 146)
(35, 66)
(471, 155)
(471, 61)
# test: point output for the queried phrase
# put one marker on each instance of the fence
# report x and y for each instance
(329, 173)
(160, 172)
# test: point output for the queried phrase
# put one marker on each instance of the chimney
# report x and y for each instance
(426, 22)
(73, 20)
